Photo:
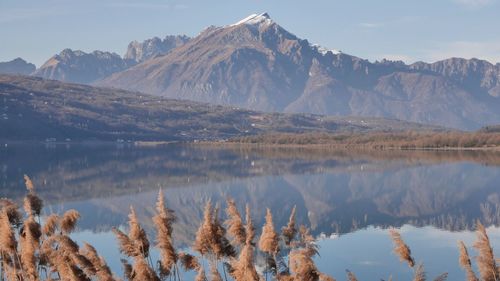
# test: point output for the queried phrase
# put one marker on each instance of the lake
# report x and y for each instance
(349, 199)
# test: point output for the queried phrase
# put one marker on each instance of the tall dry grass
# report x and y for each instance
(31, 251)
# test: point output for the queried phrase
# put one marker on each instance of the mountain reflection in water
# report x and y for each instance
(336, 192)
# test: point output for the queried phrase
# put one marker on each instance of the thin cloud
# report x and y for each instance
(371, 24)
(370, 263)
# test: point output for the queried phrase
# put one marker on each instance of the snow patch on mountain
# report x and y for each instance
(324, 51)
(256, 19)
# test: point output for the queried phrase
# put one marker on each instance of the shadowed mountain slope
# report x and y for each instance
(37, 109)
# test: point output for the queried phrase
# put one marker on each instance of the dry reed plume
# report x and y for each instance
(401, 249)
(465, 263)
(163, 221)
(289, 231)
(29, 251)
(268, 242)
(404, 254)
(243, 267)
(485, 259)
(351, 276)
(236, 229)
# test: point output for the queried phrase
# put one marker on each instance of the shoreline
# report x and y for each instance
(343, 147)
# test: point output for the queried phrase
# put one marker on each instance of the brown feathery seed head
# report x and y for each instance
(32, 204)
(243, 267)
(324, 277)
(137, 234)
(31, 230)
(289, 231)
(29, 184)
(249, 228)
(51, 225)
(235, 223)
(12, 210)
(67, 244)
(168, 256)
(486, 263)
(127, 270)
(142, 271)
(29, 241)
(69, 220)
(127, 246)
(189, 262)
(419, 273)
(269, 239)
(351, 276)
(8, 243)
(401, 249)
(463, 259)
(221, 246)
(85, 264)
(302, 266)
(167, 215)
(465, 263)
(205, 235)
(103, 272)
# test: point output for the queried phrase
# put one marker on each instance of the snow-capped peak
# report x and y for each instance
(324, 50)
(255, 19)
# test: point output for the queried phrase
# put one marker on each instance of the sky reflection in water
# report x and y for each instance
(434, 196)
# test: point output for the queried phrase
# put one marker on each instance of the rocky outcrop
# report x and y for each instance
(142, 51)
(80, 67)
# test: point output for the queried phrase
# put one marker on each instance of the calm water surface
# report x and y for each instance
(349, 199)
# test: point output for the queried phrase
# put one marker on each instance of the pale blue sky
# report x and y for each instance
(426, 30)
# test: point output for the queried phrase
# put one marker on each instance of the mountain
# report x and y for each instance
(257, 64)
(155, 46)
(334, 191)
(80, 67)
(17, 66)
(32, 108)
(474, 75)
(76, 66)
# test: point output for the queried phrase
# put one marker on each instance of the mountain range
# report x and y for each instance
(257, 64)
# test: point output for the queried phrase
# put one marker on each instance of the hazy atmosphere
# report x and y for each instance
(178, 140)
(426, 30)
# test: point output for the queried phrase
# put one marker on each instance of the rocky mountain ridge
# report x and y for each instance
(142, 51)
(77, 66)
(257, 64)
(80, 67)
